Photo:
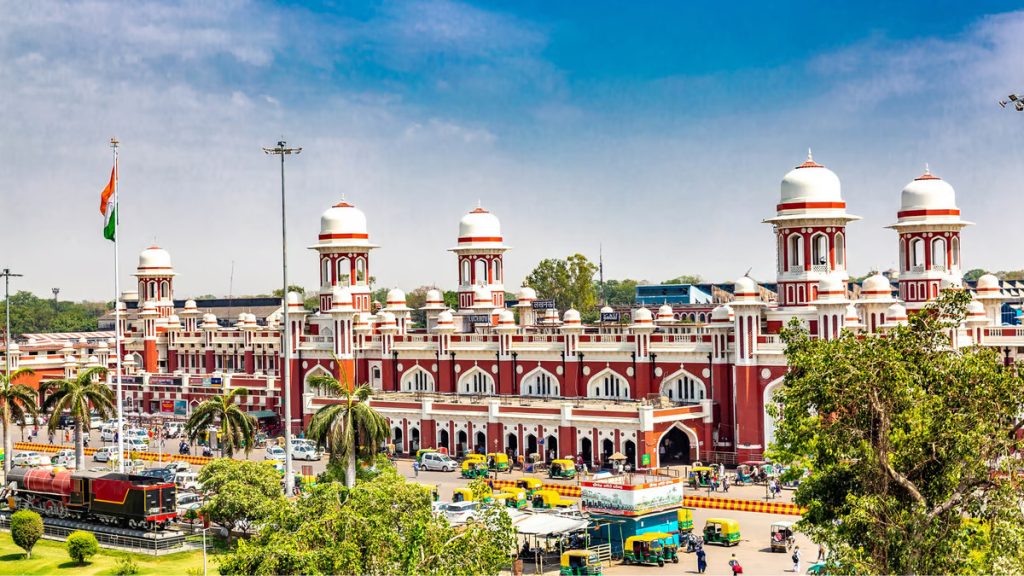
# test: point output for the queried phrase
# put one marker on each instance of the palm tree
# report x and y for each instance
(237, 429)
(15, 401)
(349, 429)
(78, 396)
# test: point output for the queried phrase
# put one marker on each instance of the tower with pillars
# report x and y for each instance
(810, 232)
(929, 226)
(155, 276)
(344, 248)
(479, 250)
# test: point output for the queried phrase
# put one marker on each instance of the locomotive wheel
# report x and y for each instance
(48, 508)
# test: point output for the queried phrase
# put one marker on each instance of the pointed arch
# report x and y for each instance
(684, 387)
(608, 384)
(540, 382)
(766, 399)
(417, 379)
(476, 381)
(691, 435)
(317, 370)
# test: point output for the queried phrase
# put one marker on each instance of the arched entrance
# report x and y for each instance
(769, 422)
(531, 444)
(445, 441)
(607, 449)
(630, 452)
(397, 439)
(512, 445)
(461, 443)
(587, 450)
(481, 443)
(551, 449)
(414, 439)
(674, 447)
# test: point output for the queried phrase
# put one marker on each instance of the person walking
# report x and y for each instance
(725, 484)
(702, 560)
(796, 559)
(416, 468)
(735, 565)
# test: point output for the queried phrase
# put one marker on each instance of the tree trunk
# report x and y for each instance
(350, 470)
(79, 445)
(8, 452)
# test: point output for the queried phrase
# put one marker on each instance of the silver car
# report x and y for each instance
(438, 461)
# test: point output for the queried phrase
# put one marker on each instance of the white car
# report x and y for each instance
(180, 466)
(188, 501)
(136, 444)
(187, 481)
(461, 512)
(95, 422)
(275, 453)
(105, 454)
(304, 452)
(138, 433)
(30, 459)
(109, 433)
(438, 461)
(65, 458)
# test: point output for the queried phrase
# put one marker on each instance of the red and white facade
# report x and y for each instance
(486, 377)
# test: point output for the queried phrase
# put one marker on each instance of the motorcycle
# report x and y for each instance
(691, 541)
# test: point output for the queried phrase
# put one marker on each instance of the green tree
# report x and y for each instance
(620, 292)
(569, 282)
(76, 397)
(907, 439)
(348, 429)
(685, 279)
(15, 401)
(278, 293)
(26, 530)
(81, 545)
(975, 273)
(237, 429)
(381, 526)
(30, 314)
(240, 493)
(416, 300)
(451, 299)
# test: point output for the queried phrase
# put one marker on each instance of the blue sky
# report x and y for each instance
(657, 129)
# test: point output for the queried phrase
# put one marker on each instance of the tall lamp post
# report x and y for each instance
(7, 274)
(283, 150)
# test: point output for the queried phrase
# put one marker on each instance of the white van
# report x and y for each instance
(437, 461)
(187, 481)
(105, 454)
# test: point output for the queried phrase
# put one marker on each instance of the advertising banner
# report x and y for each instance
(624, 499)
(181, 407)
(164, 381)
(167, 406)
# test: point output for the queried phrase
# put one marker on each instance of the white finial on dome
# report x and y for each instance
(810, 157)
(479, 204)
(927, 169)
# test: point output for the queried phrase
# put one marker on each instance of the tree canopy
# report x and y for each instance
(31, 314)
(910, 442)
(381, 526)
(569, 282)
(240, 494)
(685, 279)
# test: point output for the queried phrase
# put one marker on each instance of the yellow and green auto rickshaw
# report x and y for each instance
(725, 531)
(701, 476)
(580, 563)
(782, 537)
(530, 485)
(562, 469)
(512, 498)
(421, 452)
(474, 457)
(498, 461)
(550, 499)
(474, 469)
(646, 548)
(462, 495)
(685, 517)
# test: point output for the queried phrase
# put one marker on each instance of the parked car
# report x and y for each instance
(64, 457)
(304, 452)
(438, 461)
(136, 444)
(275, 453)
(164, 474)
(140, 433)
(461, 512)
(95, 421)
(187, 481)
(105, 454)
(109, 433)
(188, 501)
(30, 458)
(179, 466)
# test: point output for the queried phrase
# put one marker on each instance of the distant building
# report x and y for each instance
(658, 294)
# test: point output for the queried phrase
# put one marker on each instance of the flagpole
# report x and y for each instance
(117, 318)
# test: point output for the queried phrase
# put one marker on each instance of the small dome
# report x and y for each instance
(172, 319)
(551, 314)
(975, 309)
(434, 297)
(526, 294)
(607, 310)
(928, 193)
(876, 285)
(642, 316)
(831, 287)
(445, 318)
(571, 316)
(154, 259)
(506, 318)
(988, 283)
(345, 225)
(396, 297)
(190, 305)
(479, 227)
(341, 297)
(14, 347)
(101, 345)
(810, 182)
(149, 307)
(746, 289)
(294, 299)
(851, 315)
(387, 319)
(895, 314)
(94, 360)
(665, 312)
(721, 314)
(481, 296)
(951, 281)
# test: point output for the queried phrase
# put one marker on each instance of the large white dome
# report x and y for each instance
(810, 182)
(480, 229)
(929, 199)
(344, 225)
(154, 260)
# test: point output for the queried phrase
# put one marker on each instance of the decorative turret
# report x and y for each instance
(479, 250)
(746, 306)
(156, 279)
(526, 297)
(990, 295)
(344, 247)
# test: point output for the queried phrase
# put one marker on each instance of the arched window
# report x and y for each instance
(819, 251)
(781, 254)
(165, 290)
(541, 383)
(609, 385)
(477, 382)
(151, 290)
(466, 272)
(955, 251)
(344, 271)
(939, 254)
(496, 270)
(796, 251)
(917, 252)
(360, 271)
(683, 388)
(325, 272)
(418, 380)
(480, 272)
(903, 255)
(840, 251)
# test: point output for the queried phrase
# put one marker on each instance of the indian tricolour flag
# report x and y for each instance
(107, 206)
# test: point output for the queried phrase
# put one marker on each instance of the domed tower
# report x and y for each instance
(480, 250)
(810, 230)
(156, 279)
(344, 247)
(929, 226)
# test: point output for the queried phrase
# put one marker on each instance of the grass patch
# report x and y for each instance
(49, 557)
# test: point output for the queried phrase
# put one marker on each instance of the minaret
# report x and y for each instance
(929, 228)
(480, 249)
(810, 229)
(344, 248)
(156, 280)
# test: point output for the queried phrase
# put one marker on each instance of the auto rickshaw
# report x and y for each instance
(462, 495)
(685, 516)
(474, 469)
(725, 531)
(530, 485)
(498, 461)
(646, 548)
(434, 495)
(562, 469)
(512, 498)
(580, 563)
(700, 476)
(474, 457)
(550, 499)
(781, 536)
(743, 475)
(421, 452)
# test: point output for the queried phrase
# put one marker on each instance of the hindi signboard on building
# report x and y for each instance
(164, 381)
(482, 319)
(543, 304)
(167, 406)
(620, 496)
(609, 316)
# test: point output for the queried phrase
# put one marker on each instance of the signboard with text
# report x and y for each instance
(543, 304)
(180, 407)
(164, 381)
(609, 316)
(167, 406)
(619, 498)
(478, 319)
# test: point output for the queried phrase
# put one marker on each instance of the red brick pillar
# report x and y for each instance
(566, 441)
(495, 432)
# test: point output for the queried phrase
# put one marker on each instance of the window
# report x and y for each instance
(819, 250)
(955, 251)
(480, 272)
(903, 255)
(478, 383)
(840, 251)
(609, 385)
(165, 290)
(780, 255)
(466, 275)
(496, 270)
(683, 389)
(917, 252)
(344, 271)
(325, 272)
(418, 381)
(541, 384)
(939, 254)
(796, 251)
(360, 271)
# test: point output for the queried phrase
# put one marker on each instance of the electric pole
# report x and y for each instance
(7, 274)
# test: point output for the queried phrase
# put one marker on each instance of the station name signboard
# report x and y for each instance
(164, 381)
(609, 316)
(543, 304)
(478, 319)
(202, 381)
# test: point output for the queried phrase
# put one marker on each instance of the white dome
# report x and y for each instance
(526, 294)
(928, 192)
(341, 297)
(506, 318)
(831, 287)
(810, 182)
(571, 316)
(154, 260)
(642, 316)
(294, 299)
(851, 314)
(190, 305)
(876, 285)
(665, 312)
(480, 229)
(434, 297)
(951, 281)
(396, 297)
(721, 314)
(172, 320)
(988, 282)
(975, 309)
(387, 318)
(481, 296)
(445, 317)
(344, 224)
(745, 288)
(895, 314)
(607, 310)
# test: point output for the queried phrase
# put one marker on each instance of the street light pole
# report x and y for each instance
(7, 274)
(283, 150)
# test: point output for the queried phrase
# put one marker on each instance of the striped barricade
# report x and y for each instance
(145, 456)
(786, 508)
(564, 490)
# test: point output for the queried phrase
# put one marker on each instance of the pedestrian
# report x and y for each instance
(735, 565)
(725, 484)
(416, 468)
(772, 487)
(796, 559)
(702, 560)
(821, 553)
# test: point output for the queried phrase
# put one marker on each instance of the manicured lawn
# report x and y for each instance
(49, 557)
